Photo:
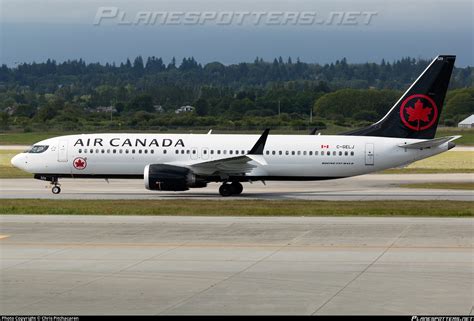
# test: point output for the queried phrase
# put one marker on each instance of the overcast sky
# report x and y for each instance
(36, 30)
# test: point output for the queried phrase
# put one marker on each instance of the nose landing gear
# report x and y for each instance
(234, 188)
(56, 189)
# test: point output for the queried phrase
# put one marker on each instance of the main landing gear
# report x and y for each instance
(234, 188)
(56, 189)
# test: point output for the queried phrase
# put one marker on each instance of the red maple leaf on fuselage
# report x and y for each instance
(79, 163)
(419, 113)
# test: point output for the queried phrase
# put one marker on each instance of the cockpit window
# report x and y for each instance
(36, 149)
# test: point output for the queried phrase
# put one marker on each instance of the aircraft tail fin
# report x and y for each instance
(416, 114)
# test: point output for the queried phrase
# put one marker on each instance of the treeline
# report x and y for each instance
(74, 95)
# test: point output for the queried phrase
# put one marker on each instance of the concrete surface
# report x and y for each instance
(201, 265)
(365, 187)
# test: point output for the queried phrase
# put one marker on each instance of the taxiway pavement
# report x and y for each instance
(200, 265)
(366, 187)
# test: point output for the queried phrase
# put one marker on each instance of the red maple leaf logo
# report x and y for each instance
(79, 163)
(423, 111)
(419, 113)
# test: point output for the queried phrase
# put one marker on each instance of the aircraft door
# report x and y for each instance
(62, 151)
(369, 154)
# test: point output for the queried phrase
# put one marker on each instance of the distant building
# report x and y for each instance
(467, 123)
(184, 109)
(106, 109)
(158, 108)
(10, 110)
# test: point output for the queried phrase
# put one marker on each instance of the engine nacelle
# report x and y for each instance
(161, 177)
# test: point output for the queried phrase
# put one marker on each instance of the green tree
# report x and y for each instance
(201, 107)
(141, 102)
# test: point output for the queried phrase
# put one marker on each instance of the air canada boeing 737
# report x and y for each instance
(175, 162)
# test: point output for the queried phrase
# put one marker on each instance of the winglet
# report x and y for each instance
(257, 149)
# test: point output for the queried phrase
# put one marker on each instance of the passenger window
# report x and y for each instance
(194, 151)
(328, 153)
(230, 152)
(133, 151)
(340, 153)
(345, 153)
(218, 151)
(352, 153)
(120, 151)
(224, 151)
(108, 151)
(152, 151)
(273, 152)
(292, 152)
(267, 152)
(236, 152)
(97, 151)
(164, 151)
(103, 151)
(182, 151)
(304, 153)
(114, 151)
(316, 153)
(146, 151)
(176, 151)
(91, 151)
(287, 152)
(140, 151)
(204, 152)
(126, 151)
(243, 152)
(212, 152)
(80, 150)
(310, 153)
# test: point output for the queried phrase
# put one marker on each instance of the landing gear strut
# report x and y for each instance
(234, 188)
(56, 189)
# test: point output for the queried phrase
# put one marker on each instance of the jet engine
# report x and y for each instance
(161, 177)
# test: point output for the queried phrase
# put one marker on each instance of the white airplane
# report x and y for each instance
(177, 162)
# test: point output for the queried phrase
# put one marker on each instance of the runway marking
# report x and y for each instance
(236, 245)
(4, 236)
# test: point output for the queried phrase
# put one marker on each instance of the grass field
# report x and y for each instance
(6, 169)
(238, 208)
(441, 185)
(467, 138)
(448, 162)
(30, 138)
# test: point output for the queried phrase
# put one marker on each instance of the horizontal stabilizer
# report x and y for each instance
(430, 143)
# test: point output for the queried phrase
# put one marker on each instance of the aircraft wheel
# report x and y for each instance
(56, 190)
(225, 190)
(237, 188)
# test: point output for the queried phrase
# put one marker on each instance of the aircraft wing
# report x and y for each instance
(236, 165)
